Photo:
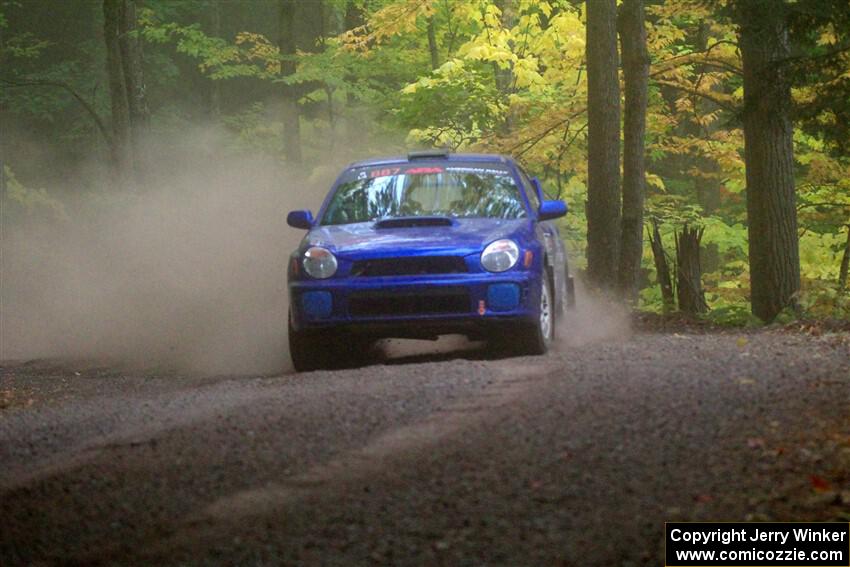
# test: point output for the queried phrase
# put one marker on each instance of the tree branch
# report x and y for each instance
(77, 96)
(704, 52)
(719, 102)
(537, 137)
(806, 205)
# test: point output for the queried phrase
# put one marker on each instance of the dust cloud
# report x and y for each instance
(187, 271)
(595, 318)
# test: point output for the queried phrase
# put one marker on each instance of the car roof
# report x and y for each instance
(431, 156)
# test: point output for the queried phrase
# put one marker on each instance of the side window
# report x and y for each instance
(530, 190)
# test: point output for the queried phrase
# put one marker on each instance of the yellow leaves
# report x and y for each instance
(260, 50)
(654, 180)
(526, 73)
(828, 36)
(667, 11)
(492, 16)
(394, 19)
(738, 94)
(660, 37)
(818, 255)
(487, 52)
(446, 72)
(706, 119)
(32, 200)
(563, 41)
(714, 65)
(413, 87)
(450, 66)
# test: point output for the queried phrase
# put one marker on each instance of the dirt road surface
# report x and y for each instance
(578, 457)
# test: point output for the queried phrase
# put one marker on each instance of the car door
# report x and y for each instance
(548, 234)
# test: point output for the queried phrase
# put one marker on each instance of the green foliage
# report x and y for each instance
(251, 55)
(253, 132)
(509, 77)
(453, 106)
(820, 299)
(732, 315)
(20, 200)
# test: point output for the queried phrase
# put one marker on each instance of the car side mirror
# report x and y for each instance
(300, 219)
(551, 210)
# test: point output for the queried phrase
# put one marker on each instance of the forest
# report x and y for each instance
(162, 404)
(703, 146)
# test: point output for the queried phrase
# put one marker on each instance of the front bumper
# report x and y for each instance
(411, 306)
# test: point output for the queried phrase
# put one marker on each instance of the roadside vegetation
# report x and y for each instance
(701, 145)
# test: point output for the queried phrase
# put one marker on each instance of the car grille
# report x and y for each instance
(440, 301)
(410, 266)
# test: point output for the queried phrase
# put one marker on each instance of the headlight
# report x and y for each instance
(500, 255)
(319, 262)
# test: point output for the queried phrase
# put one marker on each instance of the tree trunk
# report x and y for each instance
(131, 63)
(290, 111)
(356, 125)
(112, 13)
(845, 263)
(769, 156)
(662, 268)
(215, 86)
(353, 15)
(134, 82)
(688, 272)
(432, 44)
(707, 184)
(603, 144)
(636, 75)
(504, 77)
(708, 196)
(311, 25)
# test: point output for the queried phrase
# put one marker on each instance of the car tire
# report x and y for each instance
(326, 350)
(306, 349)
(536, 338)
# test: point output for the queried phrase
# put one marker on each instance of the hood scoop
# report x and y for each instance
(413, 222)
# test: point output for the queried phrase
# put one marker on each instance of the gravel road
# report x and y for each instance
(578, 457)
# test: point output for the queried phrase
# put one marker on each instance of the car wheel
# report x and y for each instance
(536, 338)
(326, 350)
(306, 351)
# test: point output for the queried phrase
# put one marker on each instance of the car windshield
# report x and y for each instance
(370, 193)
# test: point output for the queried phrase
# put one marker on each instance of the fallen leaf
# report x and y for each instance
(742, 342)
(820, 484)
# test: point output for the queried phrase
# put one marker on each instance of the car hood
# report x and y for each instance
(365, 240)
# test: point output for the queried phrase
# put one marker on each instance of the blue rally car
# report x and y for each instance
(425, 245)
